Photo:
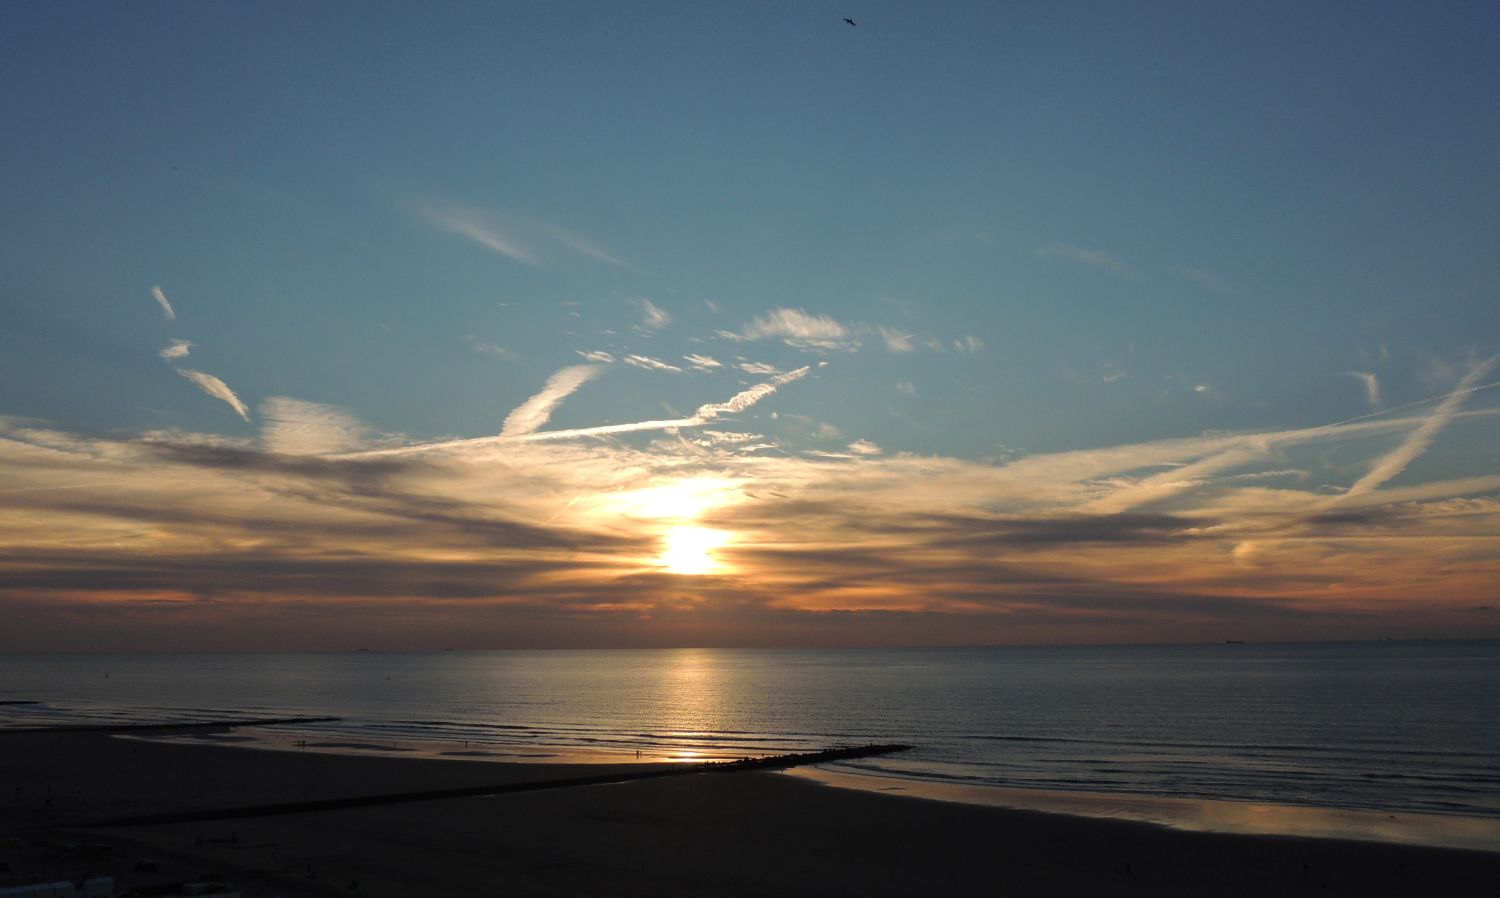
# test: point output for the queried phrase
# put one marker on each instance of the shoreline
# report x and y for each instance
(1231, 817)
(1471, 833)
(739, 834)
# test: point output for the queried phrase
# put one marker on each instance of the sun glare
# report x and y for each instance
(690, 550)
(670, 511)
(683, 500)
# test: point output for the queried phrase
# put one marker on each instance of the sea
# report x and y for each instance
(1398, 728)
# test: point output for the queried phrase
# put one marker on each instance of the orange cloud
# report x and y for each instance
(554, 542)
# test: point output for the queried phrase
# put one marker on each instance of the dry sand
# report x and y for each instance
(738, 834)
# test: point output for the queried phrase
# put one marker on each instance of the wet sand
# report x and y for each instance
(1196, 814)
(738, 834)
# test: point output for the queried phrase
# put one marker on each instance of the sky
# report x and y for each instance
(422, 326)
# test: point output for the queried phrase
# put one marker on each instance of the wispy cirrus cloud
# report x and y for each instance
(514, 237)
(597, 355)
(485, 347)
(731, 436)
(479, 229)
(1094, 258)
(546, 532)
(1371, 384)
(702, 362)
(296, 427)
(1206, 278)
(746, 398)
(758, 368)
(1112, 372)
(166, 306)
(1418, 441)
(649, 363)
(896, 341)
(809, 332)
(534, 412)
(1128, 495)
(799, 329)
(705, 414)
(586, 247)
(217, 389)
(177, 349)
(653, 317)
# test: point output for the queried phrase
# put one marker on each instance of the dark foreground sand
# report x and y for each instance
(735, 834)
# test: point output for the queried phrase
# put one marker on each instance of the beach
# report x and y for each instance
(701, 834)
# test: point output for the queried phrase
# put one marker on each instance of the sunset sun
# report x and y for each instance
(690, 550)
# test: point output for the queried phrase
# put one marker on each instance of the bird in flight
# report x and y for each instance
(851, 22)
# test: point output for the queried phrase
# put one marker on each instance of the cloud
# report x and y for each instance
(711, 411)
(1371, 384)
(706, 413)
(586, 247)
(600, 430)
(731, 436)
(484, 347)
(1407, 405)
(217, 389)
(1112, 372)
(597, 355)
(653, 317)
(800, 330)
(968, 343)
(703, 362)
(1129, 494)
(757, 368)
(477, 228)
(166, 307)
(905, 388)
(896, 341)
(1206, 278)
(645, 361)
(511, 236)
(178, 349)
(295, 427)
(1416, 442)
(534, 412)
(1092, 257)
(313, 529)
(1064, 530)
(746, 398)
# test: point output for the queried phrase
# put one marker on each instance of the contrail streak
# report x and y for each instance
(1418, 441)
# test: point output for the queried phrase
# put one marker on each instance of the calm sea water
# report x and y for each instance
(1386, 726)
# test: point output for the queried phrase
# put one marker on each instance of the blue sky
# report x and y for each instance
(988, 232)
